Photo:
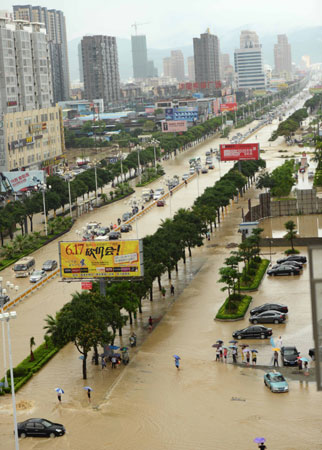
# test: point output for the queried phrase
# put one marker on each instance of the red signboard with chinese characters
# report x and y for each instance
(228, 107)
(88, 285)
(239, 152)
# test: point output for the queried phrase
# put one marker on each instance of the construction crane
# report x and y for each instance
(135, 26)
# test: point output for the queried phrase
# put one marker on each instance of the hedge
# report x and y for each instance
(149, 181)
(25, 370)
(243, 305)
(257, 278)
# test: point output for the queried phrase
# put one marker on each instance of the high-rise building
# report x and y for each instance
(139, 56)
(249, 63)
(282, 56)
(167, 67)
(206, 51)
(101, 68)
(306, 61)
(191, 68)
(177, 65)
(25, 66)
(80, 63)
(152, 70)
(224, 63)
(56, 31)
(31, 130)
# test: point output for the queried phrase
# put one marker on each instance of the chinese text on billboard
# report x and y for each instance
(239, 152)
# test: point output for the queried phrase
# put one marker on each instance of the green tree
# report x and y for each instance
(291, 232)
(32, 344)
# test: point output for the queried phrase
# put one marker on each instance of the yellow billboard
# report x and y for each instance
(101, 259)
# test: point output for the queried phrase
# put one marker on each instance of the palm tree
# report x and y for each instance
(32, 344)
(291, 232)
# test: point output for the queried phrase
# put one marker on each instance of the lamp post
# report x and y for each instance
(198, 182)
(5, 317)
(95, 172)
(138, 148)
(154, 142)
(43, 188)
(270, 250)
(3, 293)
(70, 199)
(121, 160)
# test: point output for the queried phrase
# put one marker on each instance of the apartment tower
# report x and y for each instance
(101, 68)
(55, 26)
(282, 56)
(206, 51)
(249, 62)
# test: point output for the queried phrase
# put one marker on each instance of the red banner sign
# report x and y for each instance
(201, 85)
(228, 107)
(239, 152)
(88, 285)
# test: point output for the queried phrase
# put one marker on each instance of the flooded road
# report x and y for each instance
(149, 404)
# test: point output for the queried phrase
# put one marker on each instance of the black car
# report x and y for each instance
(114, 236)
(289, 356)
(49, 265)
(269, 307)
(254, 332)
(126, 228)
(40, 427)
(299, 258)
(126, 216)
(4, 299)
(283, 270)
(268, 317)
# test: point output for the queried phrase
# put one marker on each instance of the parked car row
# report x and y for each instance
(291, 265)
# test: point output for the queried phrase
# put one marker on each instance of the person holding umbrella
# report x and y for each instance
(254, 357)
(88, 389)
(177, 361)
(59, 391)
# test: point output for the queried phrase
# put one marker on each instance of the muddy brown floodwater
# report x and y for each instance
(204, 405)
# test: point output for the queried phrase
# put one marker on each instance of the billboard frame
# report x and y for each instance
(77, 277)
(251, 147)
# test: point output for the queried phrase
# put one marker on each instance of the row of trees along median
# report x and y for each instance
(92, 319)
(19, 212)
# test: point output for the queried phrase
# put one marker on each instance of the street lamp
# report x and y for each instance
(43, 188)
(154, 142)
(138, 148)
(5, 317)
(270, 250)
(95, 171)
(70, 198)
(198, 182)
(3, 293)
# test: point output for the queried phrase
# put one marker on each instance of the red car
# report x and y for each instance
(160, 203)
(302, 169)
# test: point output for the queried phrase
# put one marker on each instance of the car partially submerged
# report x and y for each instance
(275, 381)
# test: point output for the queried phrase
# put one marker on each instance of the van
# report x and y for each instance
(24, 267)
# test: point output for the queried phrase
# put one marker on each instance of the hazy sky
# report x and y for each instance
(173, 23)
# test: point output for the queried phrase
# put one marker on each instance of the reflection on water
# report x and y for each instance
(307, 226)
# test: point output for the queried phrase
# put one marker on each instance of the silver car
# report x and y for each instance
(37, 275)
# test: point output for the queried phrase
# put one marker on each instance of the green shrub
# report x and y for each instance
(291, 252)
(240, 311)
(252, 283)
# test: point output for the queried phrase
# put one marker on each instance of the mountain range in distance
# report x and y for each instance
(307, 41)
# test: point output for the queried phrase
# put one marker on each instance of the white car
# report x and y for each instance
(192, 170)
(37, 275)
(185, 176)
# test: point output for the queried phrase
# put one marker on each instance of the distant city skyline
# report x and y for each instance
(175, 24)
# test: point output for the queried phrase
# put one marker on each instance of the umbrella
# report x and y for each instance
(59, 390)
(114, 347)
(254, 351)
(87, 388)
(124, 349)
(276, 349)
(272, 342)
(81, 357)
(246, 350)
(233, 342)
(176, 357)
(216, 345)
(259, 440)
(219, 341)
(233, 346)
(304, 359)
